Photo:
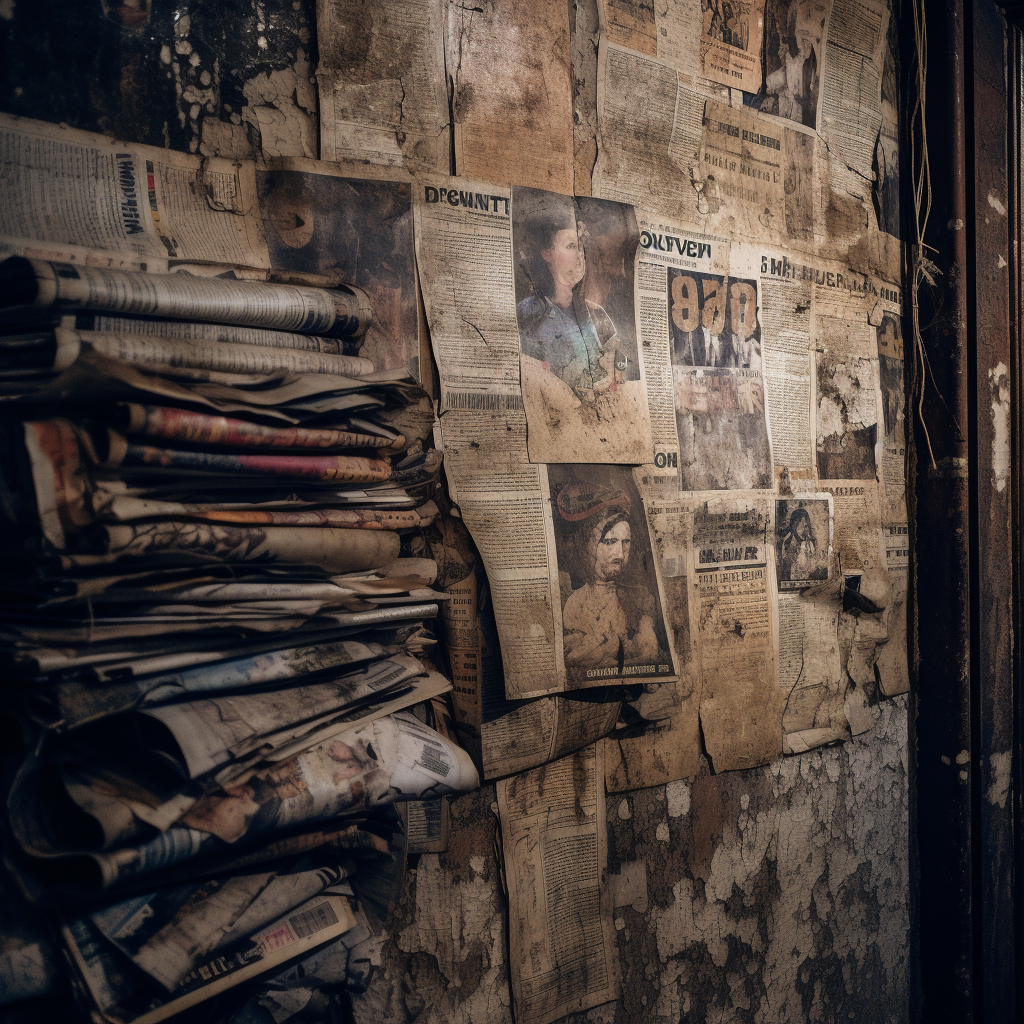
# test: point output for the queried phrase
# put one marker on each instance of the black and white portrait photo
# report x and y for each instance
(802, 541)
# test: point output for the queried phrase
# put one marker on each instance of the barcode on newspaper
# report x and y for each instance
(433, 763)
(316, 919)
(473, 400)
(387, 678)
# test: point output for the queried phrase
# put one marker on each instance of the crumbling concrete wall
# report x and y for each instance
(232, 78)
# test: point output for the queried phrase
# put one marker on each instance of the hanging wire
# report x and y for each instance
(920, 171)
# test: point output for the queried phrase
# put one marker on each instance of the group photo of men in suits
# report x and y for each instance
(713, 321)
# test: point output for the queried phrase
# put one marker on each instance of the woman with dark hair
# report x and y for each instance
(574, 339)
(606, 623)
(798, 549)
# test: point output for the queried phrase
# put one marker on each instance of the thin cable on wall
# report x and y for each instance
(923, 269)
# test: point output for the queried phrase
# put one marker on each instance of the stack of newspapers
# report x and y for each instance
(215, 646)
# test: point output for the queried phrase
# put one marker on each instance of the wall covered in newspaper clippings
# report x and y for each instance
(759, 413)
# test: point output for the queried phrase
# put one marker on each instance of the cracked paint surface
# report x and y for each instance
(775, 895)
(446, 956)
(999, 385)
(229, 79)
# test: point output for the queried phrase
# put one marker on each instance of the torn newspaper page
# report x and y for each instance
(561, 944)
(740, 175)
(857, 537)
(654, 741)
(795, 33)
(65, 187)
(721, 420)
(740, 705)
(382, 84)
(803, 540)
(867, 589)
(657, 736)
(511, 93)
(649, 131)
(582, 371)
(811, 679)
(710, 43)
(507, 736)
(730, 45)
(850, 115)
(203, 735)
(847, 397)
(785, 314)
(667, 249)
(711, 167)
(891, 665)
(630, 23)
(351, 230)
(887, 158)
(607, 619)
(613, 621)
(887, 321)
(187, 330)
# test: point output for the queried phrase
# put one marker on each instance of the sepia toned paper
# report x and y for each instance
(795, 33)
(63, 187)
(581, 369)
(803, 541)
(730, 45)
(561, 947)
(811, 679)
(512, 93)
(741, 171)
(507, 736)
(464, 236)
(656, 739)
(353, 230)
(382, 86)
(741, 710)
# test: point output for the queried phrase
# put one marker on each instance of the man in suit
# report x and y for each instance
(710, 344)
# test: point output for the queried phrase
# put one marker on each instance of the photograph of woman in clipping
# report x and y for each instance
(580, 370)
(801, 542)
(576, 339)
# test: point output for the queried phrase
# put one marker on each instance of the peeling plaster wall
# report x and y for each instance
(777, 895)
(231, 78)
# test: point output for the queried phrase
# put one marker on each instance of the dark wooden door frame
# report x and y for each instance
(965, 792)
